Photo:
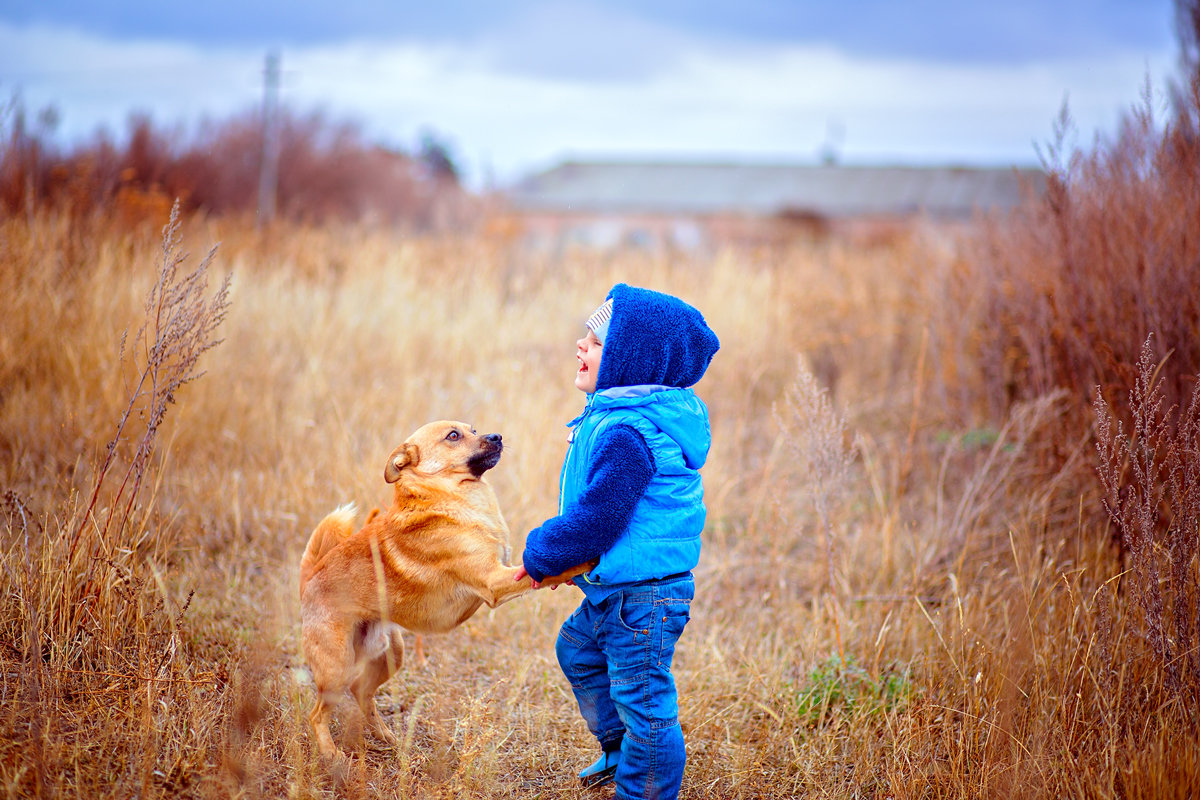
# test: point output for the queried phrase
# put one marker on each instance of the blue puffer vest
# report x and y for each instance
(663, 537)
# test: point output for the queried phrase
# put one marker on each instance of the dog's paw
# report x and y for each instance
(382, 738)
(340, 768)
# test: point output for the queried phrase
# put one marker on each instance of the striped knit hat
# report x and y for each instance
(599, 320)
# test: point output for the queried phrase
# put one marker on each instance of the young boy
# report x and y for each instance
(631, 497)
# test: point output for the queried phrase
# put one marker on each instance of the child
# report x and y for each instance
(631, 497)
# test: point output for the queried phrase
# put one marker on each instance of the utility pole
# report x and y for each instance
(268, 174)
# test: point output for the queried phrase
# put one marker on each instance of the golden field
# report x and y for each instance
(903, 594)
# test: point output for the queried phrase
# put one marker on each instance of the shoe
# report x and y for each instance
(601, 771)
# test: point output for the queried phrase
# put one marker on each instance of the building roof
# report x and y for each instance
(830, 191)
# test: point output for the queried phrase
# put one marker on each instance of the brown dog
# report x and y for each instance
(425, 565)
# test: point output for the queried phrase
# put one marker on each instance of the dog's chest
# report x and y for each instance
(449, 606)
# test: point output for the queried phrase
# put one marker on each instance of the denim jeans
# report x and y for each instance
(617, 655)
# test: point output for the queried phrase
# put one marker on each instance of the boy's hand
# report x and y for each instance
(521, 573)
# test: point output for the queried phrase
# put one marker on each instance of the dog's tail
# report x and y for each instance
(329, 533)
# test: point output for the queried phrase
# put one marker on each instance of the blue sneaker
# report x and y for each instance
(601, 771)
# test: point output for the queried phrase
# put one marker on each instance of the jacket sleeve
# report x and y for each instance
(616, 481)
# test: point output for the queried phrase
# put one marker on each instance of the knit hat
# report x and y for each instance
(598, 322)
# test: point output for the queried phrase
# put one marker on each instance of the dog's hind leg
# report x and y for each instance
(419, 650)
(375, 670)
(319, 718)
(330, 657)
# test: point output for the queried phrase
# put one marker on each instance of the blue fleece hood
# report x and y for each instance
(654, 339)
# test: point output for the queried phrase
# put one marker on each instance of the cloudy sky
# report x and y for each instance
(517, 85)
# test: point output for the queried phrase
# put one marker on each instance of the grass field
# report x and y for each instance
(899, 596)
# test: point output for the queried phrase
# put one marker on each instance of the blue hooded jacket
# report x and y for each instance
(631, 493)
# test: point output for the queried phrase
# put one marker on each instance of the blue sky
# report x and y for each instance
(515, 86)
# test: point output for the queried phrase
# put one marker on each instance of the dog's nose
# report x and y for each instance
(494, 439)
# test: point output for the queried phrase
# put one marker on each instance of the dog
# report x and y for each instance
(425, 565)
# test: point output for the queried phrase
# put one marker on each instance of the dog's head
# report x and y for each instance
(445, 448)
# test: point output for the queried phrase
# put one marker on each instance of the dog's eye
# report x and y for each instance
(453, 436)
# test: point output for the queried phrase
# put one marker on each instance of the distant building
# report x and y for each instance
(694, 205)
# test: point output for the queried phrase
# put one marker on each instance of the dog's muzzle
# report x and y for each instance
(491, 445)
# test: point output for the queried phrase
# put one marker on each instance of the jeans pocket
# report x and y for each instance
(672, 617)
(629, 633)
(635, 616)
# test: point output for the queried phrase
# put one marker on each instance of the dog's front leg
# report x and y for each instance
(500, 587)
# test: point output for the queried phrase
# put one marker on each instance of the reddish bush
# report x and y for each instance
(1063, 293)
(326, 170)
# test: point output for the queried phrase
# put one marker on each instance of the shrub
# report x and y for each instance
(327, 171)
(1151, 478)
(1062, 294)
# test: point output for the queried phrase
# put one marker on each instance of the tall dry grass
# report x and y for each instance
(941, 626)
(1088, 294)
(1062, 294)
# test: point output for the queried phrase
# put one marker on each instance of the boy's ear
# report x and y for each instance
(406, 455)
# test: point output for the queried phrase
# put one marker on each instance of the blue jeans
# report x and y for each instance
(617, 655)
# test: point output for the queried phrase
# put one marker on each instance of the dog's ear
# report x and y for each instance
(406, 455)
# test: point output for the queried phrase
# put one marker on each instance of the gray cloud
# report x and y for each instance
(546, 81)
(595, 37)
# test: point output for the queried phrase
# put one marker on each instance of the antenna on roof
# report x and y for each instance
(830, 150)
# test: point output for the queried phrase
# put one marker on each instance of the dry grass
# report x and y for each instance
(971, 647)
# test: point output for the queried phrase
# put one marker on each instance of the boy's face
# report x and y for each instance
(588, 351)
